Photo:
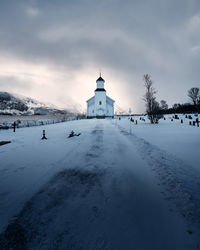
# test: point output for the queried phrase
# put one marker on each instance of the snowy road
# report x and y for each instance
(96, 191)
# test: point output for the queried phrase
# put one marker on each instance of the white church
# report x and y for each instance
(100, 105)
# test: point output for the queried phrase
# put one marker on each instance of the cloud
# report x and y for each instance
(196, 49)
(61, 46)
(194, 23)
(32, 12)
(12, 84)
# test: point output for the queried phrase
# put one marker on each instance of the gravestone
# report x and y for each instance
(43, 136)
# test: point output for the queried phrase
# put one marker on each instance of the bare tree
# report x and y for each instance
(163, 104)
(152, 106)
(193, 93)
(176, 105)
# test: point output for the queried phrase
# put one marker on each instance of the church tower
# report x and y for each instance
(100, 83)
(100, 98)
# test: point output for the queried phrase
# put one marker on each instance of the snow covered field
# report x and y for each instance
(116, 186)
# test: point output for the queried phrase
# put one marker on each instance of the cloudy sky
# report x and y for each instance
(52, 50)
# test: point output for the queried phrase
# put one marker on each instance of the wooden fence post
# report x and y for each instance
(14, 126)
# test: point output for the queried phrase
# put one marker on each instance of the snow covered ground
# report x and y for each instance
(113, 187)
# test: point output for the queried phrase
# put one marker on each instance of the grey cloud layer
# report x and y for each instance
(130, 37)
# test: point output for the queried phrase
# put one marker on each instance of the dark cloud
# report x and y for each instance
(127, 37)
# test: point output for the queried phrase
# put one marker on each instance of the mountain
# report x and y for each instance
(12, 104)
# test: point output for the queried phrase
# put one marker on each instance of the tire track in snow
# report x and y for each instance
(181, 182)
(45, 176)
(63, 201)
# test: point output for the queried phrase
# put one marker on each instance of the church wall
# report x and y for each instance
(110, 110)
(90, 110)
(100, 109)
(100, 84)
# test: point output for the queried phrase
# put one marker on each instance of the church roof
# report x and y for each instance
(100, 89)
(91, 99)
(109, 99)
(100, 79)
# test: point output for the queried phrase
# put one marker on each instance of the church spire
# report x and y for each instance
(100, 78)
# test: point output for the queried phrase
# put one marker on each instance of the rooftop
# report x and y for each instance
(100, 79)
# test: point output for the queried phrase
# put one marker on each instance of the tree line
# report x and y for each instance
(155, 110)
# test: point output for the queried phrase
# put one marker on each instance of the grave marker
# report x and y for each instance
(43, 136)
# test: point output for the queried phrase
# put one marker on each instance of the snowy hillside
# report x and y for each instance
(11, 104)
(116, 186)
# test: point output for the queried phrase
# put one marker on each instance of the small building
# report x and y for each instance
(100, 105)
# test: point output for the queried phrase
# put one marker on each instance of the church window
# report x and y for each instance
(99, 102)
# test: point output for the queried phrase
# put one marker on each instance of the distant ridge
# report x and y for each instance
(12, 104)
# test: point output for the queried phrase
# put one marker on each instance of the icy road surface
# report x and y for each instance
(106, 189)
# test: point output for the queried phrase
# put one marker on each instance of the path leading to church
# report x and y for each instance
(98, 192)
